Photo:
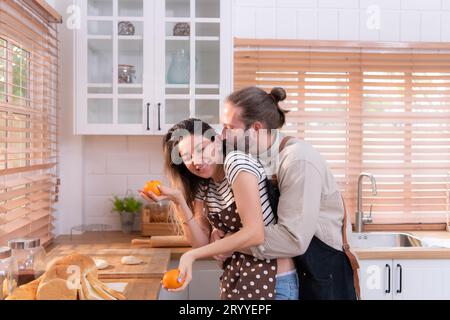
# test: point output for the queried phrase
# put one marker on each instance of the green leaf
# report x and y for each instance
(126, 204)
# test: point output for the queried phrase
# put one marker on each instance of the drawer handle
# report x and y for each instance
(159, 116)
(148, 116)
(399, 290)
(388, 290)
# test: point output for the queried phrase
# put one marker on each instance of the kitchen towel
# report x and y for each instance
(435, 242)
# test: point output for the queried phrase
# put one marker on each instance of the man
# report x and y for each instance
(310, 209)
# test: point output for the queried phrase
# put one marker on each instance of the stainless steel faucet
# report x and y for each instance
(361, 218)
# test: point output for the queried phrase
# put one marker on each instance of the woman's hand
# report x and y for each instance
(167, 193)
(185, 268)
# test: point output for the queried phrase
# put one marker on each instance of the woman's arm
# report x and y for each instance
(195, 226)
(246, 194)
(197, 230)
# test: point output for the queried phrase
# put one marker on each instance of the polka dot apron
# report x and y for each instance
(244, 277)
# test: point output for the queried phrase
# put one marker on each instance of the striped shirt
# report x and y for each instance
(219, 196)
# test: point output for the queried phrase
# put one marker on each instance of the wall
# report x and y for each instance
(112, 166)
(95, 167)
(380, 20)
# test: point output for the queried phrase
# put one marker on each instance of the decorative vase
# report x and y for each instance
(127, 73)
(182, 29)
(126, 28)
(179, 68)
(127, 220)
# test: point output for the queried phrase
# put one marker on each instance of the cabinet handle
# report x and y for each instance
(388, 290)
(148, 116)
(159, 116)
(399, 290)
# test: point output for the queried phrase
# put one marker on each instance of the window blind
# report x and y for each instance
(29, 104)
(366, 107)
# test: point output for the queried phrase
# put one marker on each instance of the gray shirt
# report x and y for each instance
(310, 202)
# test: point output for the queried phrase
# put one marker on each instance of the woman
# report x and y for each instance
(232, 197)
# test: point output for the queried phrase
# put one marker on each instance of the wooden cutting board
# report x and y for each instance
(139, 289)
(155, 260)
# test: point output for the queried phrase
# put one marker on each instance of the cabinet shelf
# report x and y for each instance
(193, 20)
(100, 18)
(130, 37)
(130, 85)
(100, 37)
(202, 38)
(99, 85)
(198, 86)
(177, 38)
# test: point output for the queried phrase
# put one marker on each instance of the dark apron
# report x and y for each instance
(324, 273)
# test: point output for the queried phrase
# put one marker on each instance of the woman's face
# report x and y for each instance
(199, 155)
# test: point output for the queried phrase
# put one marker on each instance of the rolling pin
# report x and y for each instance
(163, 242)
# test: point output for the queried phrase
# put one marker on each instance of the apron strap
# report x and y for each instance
(273, 179)
(351, 257)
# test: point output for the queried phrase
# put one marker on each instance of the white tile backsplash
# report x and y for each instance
(265, 23)
(445, 5)
(410, 26)
(104, 185)
(390, 26)
(410, 20)
(97, 206)
(115, 166)
(368, 28)
(297, 3)
(348, 25)
(128, 163)
(382, 4)
(430, 27)
(307, 24)
(422, 4)
(244, 22)
(328, 25)
(445, 26)
(339, 4)
(286, 23)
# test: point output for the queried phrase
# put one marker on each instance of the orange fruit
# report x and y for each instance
(153, 187)
(170, 279)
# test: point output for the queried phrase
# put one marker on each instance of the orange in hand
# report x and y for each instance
(153, 187)
(170, 279)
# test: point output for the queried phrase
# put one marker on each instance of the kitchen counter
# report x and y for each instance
(138, 287)
(408, 252)
(148, 289)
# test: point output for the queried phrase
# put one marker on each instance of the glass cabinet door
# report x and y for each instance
(115, 65)
(189, 60)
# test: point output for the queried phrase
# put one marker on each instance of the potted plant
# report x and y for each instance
(128, 207)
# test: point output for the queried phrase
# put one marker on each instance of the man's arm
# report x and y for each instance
(298, 212)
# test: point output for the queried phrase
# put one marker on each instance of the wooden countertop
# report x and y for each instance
(138, 288)
(148, 288)
(387, 253)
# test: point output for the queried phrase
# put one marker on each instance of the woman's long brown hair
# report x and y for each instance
(179, 175)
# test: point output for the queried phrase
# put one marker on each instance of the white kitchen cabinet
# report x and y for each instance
(375, 279)
(205, 283)
(139, 70)
(421, 279)
(405, 279)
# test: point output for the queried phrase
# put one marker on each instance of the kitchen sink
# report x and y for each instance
(383, 240)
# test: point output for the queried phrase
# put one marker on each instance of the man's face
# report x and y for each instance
(233, 127)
